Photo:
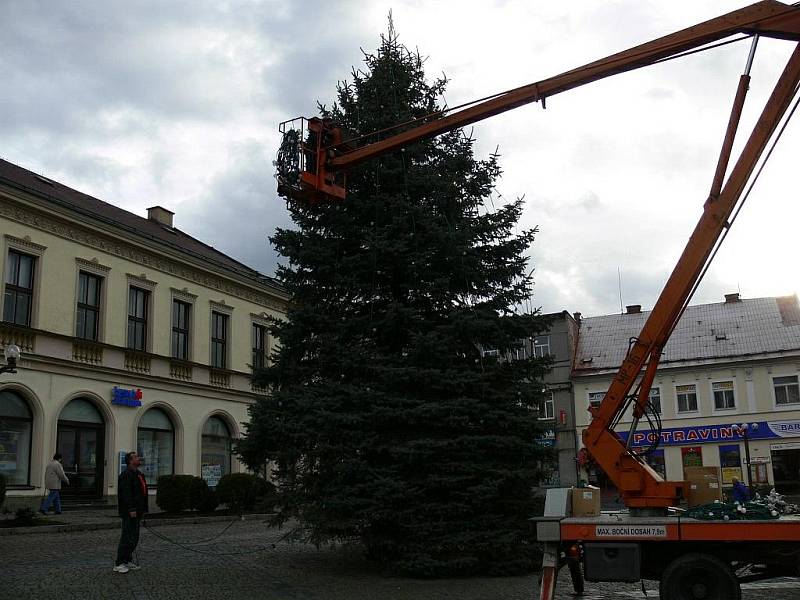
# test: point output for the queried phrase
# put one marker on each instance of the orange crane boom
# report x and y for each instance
(311, 166)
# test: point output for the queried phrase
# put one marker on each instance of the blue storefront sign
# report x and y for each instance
(124, 397)
(705, 434)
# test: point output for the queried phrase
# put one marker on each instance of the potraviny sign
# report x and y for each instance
(704, 434)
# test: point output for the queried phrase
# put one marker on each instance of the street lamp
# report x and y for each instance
(12, 355)
(743, 430)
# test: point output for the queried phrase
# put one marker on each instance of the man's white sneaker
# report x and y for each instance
(121, 569)
(132, 566)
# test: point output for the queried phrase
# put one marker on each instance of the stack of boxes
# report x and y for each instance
(703, 485)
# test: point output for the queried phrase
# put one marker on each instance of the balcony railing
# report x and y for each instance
(137, 362)
(180, 370)
(19, 336)
(87, 351)
(219, 378)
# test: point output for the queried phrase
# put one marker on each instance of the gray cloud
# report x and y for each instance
(143, 103)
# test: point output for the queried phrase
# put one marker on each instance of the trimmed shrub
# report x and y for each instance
(208, 501)
(174, 491)
(196, 492)
(241, 491)
(2, 490)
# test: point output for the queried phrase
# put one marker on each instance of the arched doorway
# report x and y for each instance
(81, 442)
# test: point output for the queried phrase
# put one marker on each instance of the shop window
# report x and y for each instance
(180, 329)
(656, 461)
(18, 296)
(216, 450)
(88, 320)
(787, 390)
(16, 423)
(138, 300)
(259, 346)
(687, 397)
(541, 346)
(691, 456)
(730, 461)
(81, 410)
(655, 399)
(219, 340)
(546, 407)
(156, 445)
(723, 395)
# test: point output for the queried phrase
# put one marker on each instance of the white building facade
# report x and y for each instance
(134, 336)
(727, 365)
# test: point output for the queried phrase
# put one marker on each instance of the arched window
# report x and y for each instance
(81, 410)
(16, 423)
(155, 445)
(216, 450)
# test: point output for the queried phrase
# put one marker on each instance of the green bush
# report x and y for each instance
(2, 490)
(208, 501)
(174, 492)
(241, 491)
(196, 493)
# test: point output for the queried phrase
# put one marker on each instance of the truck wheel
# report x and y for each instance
(699, 577)
(576, 574)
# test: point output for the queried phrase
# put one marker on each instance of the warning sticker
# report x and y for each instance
(631, 531)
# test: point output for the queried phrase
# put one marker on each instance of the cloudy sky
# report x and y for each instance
(177, 103)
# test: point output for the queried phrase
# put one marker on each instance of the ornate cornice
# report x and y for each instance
(25, 244)
(260, 318)
(92, 265)
(221, 306)
(118, 247)
(141, 281)
(183, 294)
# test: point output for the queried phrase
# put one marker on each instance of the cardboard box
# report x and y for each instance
(704, 485)
(586, 502)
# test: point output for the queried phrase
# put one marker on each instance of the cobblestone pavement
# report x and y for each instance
(249, 561)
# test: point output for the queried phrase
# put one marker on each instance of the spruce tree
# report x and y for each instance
(386, 422)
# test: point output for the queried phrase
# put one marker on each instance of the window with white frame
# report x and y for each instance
(541, 346)
(724, 397)
(596, 399)
(787, 390)
(655, 399)
(687, 397)
(546, 407)
(490, 353)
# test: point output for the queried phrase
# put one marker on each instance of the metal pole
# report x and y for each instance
(747, 457)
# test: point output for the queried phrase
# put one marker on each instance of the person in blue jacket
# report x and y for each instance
(740, 492)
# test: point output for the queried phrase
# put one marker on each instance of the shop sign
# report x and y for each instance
(547, 439)
(786, 446)
(125, 397)
(212, 474)
(704, 434)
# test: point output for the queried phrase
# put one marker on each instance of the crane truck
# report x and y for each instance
(691, 559)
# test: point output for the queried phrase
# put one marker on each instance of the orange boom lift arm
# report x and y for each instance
(313, 158)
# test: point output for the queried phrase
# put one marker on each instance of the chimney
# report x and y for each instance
(731, 298)
(577, 317)
(159, 214)
(633, 309)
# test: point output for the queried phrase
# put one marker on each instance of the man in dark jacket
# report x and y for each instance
(132, 505)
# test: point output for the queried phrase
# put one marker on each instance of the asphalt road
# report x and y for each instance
(250, 561)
